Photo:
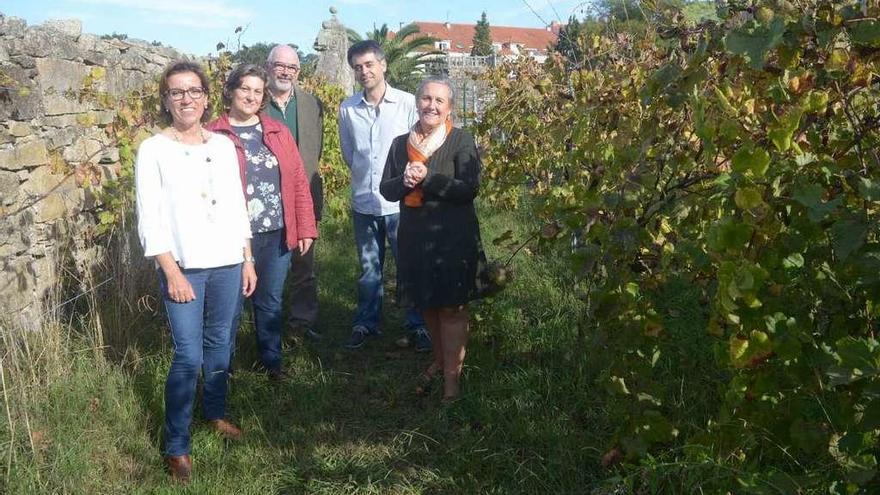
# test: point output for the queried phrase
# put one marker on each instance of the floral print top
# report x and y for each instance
(263, 188)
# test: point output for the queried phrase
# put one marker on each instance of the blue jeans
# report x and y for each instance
(200, 333)
(370, 232)
(273, 261)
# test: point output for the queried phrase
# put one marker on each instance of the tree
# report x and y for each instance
(114, 36)
(568, 41)
(259, 52)
(406, 53)
(482, 38)
(252, 54)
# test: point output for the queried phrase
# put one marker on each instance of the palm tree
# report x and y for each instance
(406, 53)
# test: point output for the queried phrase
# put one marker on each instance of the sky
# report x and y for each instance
(196, 26)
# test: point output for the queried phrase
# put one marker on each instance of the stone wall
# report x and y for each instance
(46, 132)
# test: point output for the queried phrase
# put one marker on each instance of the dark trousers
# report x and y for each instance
(303, 282)
(273, 258)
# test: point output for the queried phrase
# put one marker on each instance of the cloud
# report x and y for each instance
(205, 13)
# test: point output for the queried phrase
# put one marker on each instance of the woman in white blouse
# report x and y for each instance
(193, 221)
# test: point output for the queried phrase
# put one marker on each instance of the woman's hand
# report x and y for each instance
(248, 278)
(414, 174)
(304, 244)
(179, 288)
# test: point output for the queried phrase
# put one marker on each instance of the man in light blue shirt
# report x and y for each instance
(368, 122)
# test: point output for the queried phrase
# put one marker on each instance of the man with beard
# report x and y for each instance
(303, 114)
(368, 122)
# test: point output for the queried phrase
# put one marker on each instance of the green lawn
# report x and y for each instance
(530, 421)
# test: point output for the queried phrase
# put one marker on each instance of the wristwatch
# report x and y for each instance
(250, 259)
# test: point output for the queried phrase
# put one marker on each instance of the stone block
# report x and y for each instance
(88, 42)
(23, 61)
(58, 77)
(61, 137)
(17, 282)
(120, 82)
(85, 149)
(50, 208)
(41, 42)
(67, 27)
(19, 129)
(20, 100)
(42, 182)
(24, 155)
(94, 57)
(8, 187)
(15, 239)
(131, 60)
(104, 117)
(9, 249)
(12, 26)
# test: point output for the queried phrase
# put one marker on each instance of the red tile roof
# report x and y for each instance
(461, 36)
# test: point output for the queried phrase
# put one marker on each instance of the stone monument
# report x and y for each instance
(332, 47)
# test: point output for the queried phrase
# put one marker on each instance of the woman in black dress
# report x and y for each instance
(434, 171)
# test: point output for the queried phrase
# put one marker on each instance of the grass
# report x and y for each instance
(531, 420)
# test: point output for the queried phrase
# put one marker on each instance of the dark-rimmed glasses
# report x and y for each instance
(278, 66)
(196, 93)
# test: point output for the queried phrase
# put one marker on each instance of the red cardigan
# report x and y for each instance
(296, 197)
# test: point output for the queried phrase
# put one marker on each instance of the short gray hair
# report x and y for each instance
(437, 80)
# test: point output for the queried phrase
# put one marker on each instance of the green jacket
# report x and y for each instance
(309, 139)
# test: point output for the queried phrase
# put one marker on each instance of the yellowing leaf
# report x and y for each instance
(738, 346)
(748, 197)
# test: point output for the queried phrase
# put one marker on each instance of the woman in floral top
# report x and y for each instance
(278, 201)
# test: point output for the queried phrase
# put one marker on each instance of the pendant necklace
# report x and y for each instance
(208, 186)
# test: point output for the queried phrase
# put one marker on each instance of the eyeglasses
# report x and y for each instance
(280, 67)
(196, 93)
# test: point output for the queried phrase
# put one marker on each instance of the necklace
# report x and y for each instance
(178, 138)
(208, 183)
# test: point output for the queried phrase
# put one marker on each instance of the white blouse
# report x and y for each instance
(190, 201)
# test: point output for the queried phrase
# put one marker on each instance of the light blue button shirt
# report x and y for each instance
(365, 135)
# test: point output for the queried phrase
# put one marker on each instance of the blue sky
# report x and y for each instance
(196, 26)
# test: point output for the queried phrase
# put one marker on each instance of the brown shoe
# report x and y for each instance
(180, 468)
(225, 428)
(278, 375)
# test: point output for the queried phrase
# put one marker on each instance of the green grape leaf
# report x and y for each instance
(728, 234)
(754, 41)
(858, 353)
(869, 189)
(795, 260)
(810, 196)
(655, 428)
(865, 33)
(756, 160)
(871, 416)
(782, 132)
(847, 236)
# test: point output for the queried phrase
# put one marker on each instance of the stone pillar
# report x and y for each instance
(332, 47)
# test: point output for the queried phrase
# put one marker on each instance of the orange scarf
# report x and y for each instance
(421, 152)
